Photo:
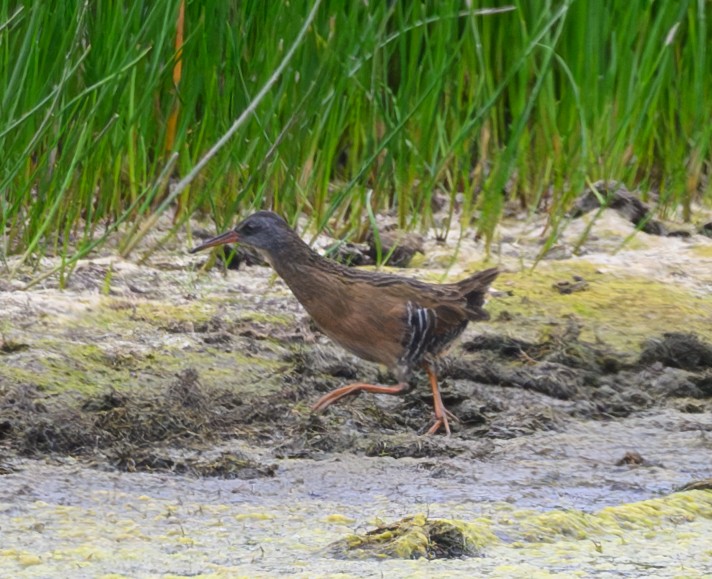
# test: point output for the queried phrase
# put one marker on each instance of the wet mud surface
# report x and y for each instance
(155, 419)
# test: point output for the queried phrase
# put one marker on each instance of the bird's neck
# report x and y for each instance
(297, 263)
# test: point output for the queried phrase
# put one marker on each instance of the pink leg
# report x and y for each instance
(335, 395)
(440, 411)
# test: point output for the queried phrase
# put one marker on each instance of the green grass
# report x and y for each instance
(381, 103)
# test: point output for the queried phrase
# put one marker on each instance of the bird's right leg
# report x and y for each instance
(335, 395)
(441, 413)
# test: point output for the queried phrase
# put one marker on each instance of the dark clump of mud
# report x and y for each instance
(414, 538)
(390, 247)
(595, 380)
(225, 465)
(615, 195)
(678, 350)
(497, 387)
(697, 485)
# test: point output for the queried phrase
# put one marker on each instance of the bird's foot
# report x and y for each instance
(441, 413)
(443, 421)
(439, 423)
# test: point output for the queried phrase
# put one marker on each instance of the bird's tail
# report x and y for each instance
(474, 289)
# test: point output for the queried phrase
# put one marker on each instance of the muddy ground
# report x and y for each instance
(154, 420)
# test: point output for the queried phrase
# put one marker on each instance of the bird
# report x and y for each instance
(399, 322)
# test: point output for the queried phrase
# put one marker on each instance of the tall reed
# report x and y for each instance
(387, 103)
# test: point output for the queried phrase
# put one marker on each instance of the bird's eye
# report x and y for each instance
(247, 229)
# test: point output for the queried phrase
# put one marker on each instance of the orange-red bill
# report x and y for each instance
(227, 237)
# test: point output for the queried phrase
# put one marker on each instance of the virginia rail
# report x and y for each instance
(399, 322)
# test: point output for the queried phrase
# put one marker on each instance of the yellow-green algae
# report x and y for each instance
(163, 314)
(702, 250)
(412, 537)
(85, 368)
(116, 532)
(158, 313)
(415, 537)
(616, 520)
(619, 309)
(123, 345)
(273, 319)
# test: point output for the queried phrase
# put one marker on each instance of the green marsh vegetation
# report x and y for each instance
(345, 110)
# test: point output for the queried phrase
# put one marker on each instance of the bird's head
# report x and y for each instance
(264, 230)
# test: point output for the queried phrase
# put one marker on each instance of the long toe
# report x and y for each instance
(451, 416)
(439, 423)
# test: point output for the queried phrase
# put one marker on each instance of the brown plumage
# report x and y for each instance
(399, 322)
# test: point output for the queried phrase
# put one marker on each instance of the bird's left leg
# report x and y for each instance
(328, 399)
(440, 410)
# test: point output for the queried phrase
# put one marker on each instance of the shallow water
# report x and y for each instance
(60, 519)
